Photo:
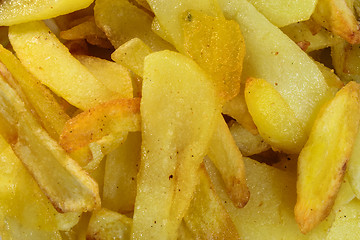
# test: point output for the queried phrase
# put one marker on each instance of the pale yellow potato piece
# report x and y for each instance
(47, 161)
(322, 162)
(19, 11)
(169, 15)
(301, 32)
(338, 16)
(132, 54)
(274, 118)
(272, 56)
(50, 62)
(172, 148)
(227, 157)
(105, 224)
(122, 21)
(206, 217)
(346, 224)
(270, 210)
(120, 176)
(354, 167)
(114, 76)
(248, 143)
(23, 206)
(285, 12)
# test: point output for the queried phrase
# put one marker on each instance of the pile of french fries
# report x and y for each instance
(179, 119)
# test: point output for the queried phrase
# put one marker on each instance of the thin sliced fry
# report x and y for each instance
(227, 157)
(323, 160)
(106, 120)
(67, 186)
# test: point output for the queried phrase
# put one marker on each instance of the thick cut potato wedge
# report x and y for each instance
(227, 157)
(178, 118)
(50, 61)
(274, 118)
(206, 217)
(19, 11)
(104, 122)
(323, 160)
(67, 186)
(272, 56)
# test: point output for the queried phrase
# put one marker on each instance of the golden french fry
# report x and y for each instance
(121, 175)
(18, 11)
(62, 180)
(103, 122)
(50, 61)
(172, 149)
(105, 224)
(121, 21)
(339, 17)
(206, 217)
(227, 157)
(323, 160)
(274, 118)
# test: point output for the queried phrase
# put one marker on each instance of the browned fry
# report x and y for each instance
(121, 115)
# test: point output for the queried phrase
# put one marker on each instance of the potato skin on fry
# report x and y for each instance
(322, 162)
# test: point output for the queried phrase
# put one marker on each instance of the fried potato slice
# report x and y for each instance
(285, 12)
(122, 21)
(105, 224)
(132, 54)
(21, 199)
(217, 45)
(338, 16)
(104, 122)
(19, 11)
(50, 112)
(67, 186)
(206, 217)
(172, 147)
(272, 56)
(247, 142)
(113, 76)
(323, 160)
(227, 157)
(274, 118)
(47, 58)
(169, 15)
(120, 177)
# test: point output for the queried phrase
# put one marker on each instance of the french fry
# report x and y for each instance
(274, 118)
(206, 217)
(105, 224)
(121, 175)
(47, 161)
(338, 16)
(122, 21)
(323, 160)
(105, 122)
(172, 149)
(77, 85)
(21, 199)
(18, 11)
(227, 157)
